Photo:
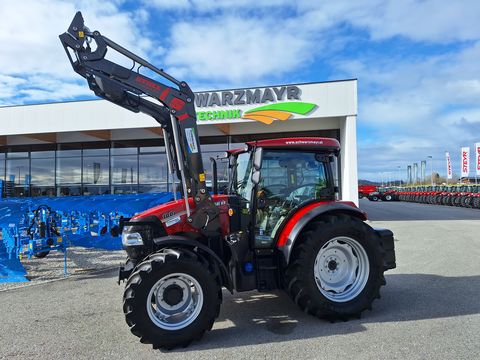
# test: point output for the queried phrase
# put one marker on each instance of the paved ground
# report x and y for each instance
(397, 211)
(430, 309)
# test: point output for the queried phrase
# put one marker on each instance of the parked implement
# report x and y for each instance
(365, 190)
(278, 225)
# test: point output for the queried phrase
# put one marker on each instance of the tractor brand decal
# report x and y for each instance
(172, 221)
(247, 96)
(465, 161)
(168, 214)
(191, 140)
(146, 82)
(220, 203)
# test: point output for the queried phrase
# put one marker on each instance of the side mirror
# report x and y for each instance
(255, 177)
(257, 158)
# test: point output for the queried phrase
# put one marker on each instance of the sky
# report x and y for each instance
(417, 61)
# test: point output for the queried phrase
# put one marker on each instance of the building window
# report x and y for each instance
(69, 172)
(43, 173)
(153, 176)
(18, 175)
(125, 174)
(2, 166)
(96, 173)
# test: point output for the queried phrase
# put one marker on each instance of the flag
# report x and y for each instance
(465, 161)
(449, 165)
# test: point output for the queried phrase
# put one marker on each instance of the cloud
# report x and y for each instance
(416, 60)
(234, 50)
(32, 55)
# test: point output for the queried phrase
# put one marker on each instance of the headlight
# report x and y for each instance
(132, 239)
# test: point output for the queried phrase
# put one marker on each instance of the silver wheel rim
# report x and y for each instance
(178, 315)
(341, 269)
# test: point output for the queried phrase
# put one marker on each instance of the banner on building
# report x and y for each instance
(449, 166)
(477, 157)
(465, 161)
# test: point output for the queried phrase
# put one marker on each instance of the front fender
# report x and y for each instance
(185, 242)
(295, 224)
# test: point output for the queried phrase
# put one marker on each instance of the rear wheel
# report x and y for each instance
(171, 299)
(336, 270)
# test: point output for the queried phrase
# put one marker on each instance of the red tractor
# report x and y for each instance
(277, 226)
(365, 190)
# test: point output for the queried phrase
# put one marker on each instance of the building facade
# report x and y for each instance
(95, 147)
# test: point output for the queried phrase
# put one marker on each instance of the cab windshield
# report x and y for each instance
(241, 183)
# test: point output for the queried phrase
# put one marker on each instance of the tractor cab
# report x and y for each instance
(271, 178)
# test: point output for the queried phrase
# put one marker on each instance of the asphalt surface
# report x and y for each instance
(430, 309)
(398, 211)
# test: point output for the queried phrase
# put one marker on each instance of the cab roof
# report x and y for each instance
(304, 143)
(298, 142)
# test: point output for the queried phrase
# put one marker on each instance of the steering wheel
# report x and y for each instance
(310, 194)
(267, 197)
(280, 186)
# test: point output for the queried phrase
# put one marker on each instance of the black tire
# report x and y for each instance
(41, 255)
(388, 197)
(300, 280)
(147, 274)
(373, 198)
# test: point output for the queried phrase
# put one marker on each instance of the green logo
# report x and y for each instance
(280, 111)
(265, 114)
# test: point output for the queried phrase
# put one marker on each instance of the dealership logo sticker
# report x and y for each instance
(280, 111)
(191, 140)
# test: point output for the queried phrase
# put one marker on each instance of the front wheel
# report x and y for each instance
(336, 270)
(171, 299)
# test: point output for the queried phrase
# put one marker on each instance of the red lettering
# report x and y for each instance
(148, 83)
(478, 158)
(464, 162)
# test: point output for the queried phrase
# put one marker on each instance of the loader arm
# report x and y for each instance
(134, 91)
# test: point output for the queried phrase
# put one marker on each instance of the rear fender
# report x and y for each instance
(303, 216)
(188, 243)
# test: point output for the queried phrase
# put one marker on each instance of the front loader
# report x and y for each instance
(277, 226)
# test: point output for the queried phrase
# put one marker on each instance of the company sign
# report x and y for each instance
(449, 166)
(465, 161)
(477, 158)
(278, 103)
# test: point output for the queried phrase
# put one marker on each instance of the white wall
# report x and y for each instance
(333, 99)
(336, 109)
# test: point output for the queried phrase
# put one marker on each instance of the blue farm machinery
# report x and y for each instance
(34, 227)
